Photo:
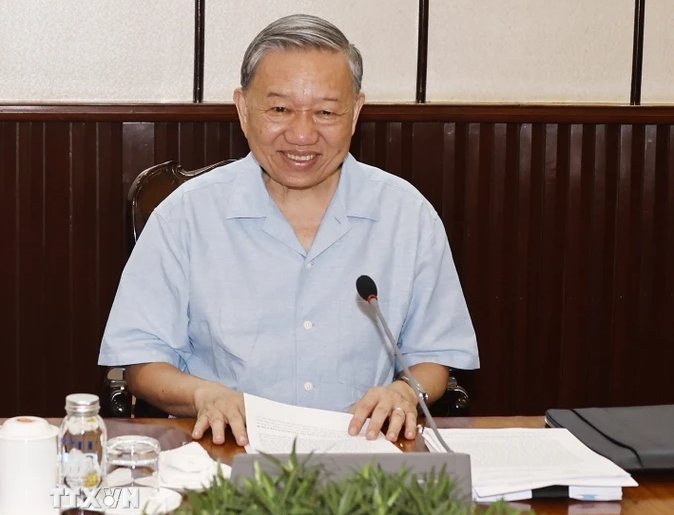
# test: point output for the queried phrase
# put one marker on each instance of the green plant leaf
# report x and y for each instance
(296, 488)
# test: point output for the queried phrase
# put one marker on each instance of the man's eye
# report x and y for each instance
(279, 109)
(326, 114)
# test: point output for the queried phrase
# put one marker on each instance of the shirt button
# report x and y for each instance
(308, 386)
(308, 324)
(310, 264)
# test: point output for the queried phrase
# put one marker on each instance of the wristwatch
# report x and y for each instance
(422, 395)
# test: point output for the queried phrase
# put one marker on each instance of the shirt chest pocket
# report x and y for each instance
(367, 359)
(237, 329)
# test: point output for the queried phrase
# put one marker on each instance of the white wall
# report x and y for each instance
(96, 51)
(530, 51)
(385, 31)
(657, 85)
(513, 51)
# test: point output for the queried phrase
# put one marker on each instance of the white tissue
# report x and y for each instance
(188, 468)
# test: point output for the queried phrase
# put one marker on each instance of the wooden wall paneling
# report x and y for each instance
(393, 148)
(574, 276)
(644, 301)
(664, 251)
(382, 144)
(57, 291)
(624, 261)
(9, 264)
(215, 133)
(191, 144)
(363, 142)
(453, 212)
(166, 141)
(426, 172)
(143, 144)
(31, 270)
(608, 165)
(218, 140)
(496, 251)
(515, 223)
(520, 265)
(238, 145)
(651, 366)
(224, 140)
(111, 231)
(589, 224)
(80, 372)
(561, 223)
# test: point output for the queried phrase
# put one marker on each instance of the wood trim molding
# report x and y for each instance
(371, 112)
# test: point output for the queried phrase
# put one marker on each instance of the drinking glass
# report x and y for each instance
(132, 460)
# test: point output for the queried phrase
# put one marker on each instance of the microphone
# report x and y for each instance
(367, 289)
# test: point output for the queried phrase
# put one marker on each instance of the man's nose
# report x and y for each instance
(302, 129)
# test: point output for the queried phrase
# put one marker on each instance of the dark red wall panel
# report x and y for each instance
(561, 222)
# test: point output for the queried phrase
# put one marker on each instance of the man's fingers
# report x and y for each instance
(199, 427)
(411, 425)
(361, 410)
(238, 426)
(211, 419)
(218, 429)
(395, 423)
(379, 416)
(356, 423)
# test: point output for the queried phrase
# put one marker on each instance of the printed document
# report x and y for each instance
(274, 426)
(510, 463)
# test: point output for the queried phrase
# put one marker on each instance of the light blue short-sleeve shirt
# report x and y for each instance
(219, 286)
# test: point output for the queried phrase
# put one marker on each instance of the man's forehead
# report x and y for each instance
(285, 73)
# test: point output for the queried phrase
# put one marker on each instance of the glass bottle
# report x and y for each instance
(82, 441)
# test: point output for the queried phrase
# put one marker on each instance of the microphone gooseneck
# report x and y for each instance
(367, 289)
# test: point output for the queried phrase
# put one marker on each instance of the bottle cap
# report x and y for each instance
(82, 403)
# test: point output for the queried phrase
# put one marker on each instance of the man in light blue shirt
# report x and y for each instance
(243, 280)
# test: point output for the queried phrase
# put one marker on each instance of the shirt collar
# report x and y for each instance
(356, 191)
(249, 197)
(353, 198)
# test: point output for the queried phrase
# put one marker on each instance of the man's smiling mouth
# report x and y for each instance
(300, 157)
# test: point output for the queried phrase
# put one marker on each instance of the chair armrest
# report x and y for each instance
(454, 403)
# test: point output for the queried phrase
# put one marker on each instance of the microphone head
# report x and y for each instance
(366, 287)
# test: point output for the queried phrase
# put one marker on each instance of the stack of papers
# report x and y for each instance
(273, 427)
(513, 463)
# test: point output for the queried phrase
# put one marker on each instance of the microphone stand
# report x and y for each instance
(372, 300)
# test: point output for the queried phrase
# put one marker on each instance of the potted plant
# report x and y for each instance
(299, 489)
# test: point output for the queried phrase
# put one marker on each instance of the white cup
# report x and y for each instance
(28, 466)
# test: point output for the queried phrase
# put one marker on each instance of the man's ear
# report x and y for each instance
(241, 109)
(360, 100)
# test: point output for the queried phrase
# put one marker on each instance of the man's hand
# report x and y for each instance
(217, 407)
(184, 395)
(395, 403)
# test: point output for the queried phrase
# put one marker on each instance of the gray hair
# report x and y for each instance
(300, 32)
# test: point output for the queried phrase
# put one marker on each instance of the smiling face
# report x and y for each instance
(298, 115)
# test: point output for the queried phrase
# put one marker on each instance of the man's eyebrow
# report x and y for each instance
(275, 94)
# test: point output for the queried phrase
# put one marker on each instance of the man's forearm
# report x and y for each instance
(166, 387)
(432, 378)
